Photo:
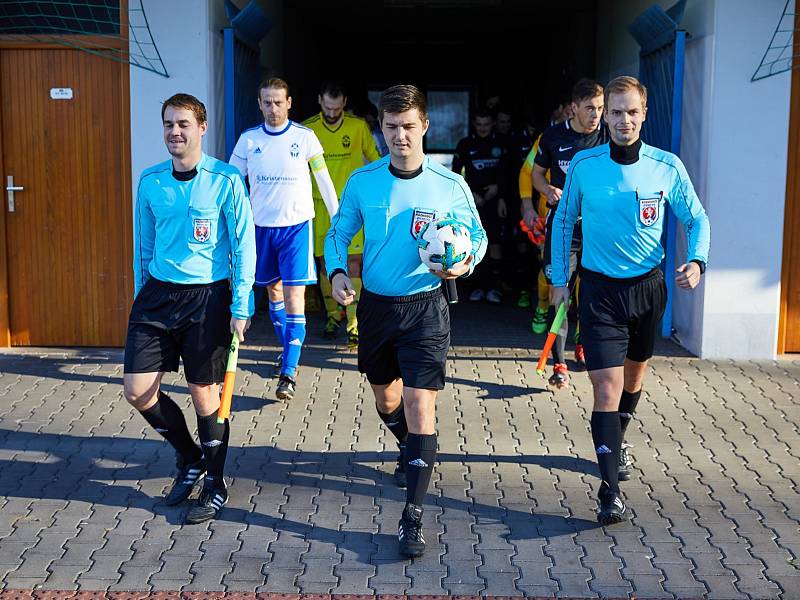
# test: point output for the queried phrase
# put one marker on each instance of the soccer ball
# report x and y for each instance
(443, 244)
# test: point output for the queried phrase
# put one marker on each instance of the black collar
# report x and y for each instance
(184, 175)
(625, 155)
(404, 174)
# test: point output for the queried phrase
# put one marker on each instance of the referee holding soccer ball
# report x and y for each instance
(404, 322)
(621, 190)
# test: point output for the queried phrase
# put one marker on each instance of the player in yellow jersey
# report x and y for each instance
(348, 145)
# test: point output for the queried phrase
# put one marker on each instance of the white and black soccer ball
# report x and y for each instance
(444, 243)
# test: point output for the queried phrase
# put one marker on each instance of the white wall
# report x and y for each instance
(746, 188)
(193, 58)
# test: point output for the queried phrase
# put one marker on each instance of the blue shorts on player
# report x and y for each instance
(285, 254)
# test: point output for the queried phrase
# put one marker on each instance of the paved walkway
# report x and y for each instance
(715, 496)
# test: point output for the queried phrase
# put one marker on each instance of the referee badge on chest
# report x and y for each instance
(202, 229)
(422, 216)
(649, 208)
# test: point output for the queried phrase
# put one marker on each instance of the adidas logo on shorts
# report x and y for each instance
(212, 443)
(418, 462)
(603, 450)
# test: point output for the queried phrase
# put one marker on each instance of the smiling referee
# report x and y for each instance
(621, 190)
(194, 267)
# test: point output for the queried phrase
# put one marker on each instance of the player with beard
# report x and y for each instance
(348, 145)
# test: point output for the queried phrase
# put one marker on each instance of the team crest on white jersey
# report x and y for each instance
(294, 150)
(648, 210)
(422, 216)
(202, 229)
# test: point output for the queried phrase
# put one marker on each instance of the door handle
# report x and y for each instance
(10, 189)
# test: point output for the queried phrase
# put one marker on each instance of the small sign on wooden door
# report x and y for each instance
(61, 93)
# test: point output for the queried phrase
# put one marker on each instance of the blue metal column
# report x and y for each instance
(230, 92)
(675, 148)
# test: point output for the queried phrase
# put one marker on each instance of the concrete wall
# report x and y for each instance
(734, 146)
(748, 137)
(191, 48)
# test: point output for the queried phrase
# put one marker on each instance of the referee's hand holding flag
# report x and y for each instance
(559, 295)
(239, 326)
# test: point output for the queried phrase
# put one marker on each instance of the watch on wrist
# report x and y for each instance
(335, 273)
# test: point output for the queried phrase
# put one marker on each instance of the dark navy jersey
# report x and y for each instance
(519, 144)
(560, 143)
(483, 161)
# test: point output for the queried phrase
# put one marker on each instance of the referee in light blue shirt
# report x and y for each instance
(194, 265)
(621, 191)
(404, 323)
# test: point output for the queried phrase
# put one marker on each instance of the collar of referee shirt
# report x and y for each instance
(625, 155)
(184, 175)
(400, 174)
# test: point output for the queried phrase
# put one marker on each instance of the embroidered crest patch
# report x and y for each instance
(202, 229)
(648, 210)
(421, 217)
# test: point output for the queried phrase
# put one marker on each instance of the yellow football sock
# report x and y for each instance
(352, 321)
(331, 306)
(543, 291)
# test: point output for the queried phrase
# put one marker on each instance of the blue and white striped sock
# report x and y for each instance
(277, 314)
(293, 343)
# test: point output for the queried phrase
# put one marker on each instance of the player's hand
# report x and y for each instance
(528, 212)
(490, 191)
(239, 326)
(559, 295)
(553, 196)
(342, 289)
(454, 273)
(479, 200)
(502, 209)
(688, 275)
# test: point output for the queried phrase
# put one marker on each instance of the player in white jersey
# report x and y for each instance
(275, 158)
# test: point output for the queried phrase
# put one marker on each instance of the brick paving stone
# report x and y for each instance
(313, 507)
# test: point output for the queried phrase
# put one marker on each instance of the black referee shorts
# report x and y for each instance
(404, 336)
(619, 318)
(170, 321)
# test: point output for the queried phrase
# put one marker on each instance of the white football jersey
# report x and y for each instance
(276, 166)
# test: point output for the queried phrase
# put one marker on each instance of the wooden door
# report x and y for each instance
(789, 320)
(64, 116)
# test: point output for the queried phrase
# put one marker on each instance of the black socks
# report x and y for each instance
(214, 441)
(420, 456)
(167, 419)
(607, 438)
(396, 422)
(627, 408)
